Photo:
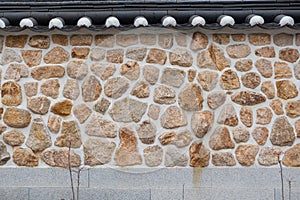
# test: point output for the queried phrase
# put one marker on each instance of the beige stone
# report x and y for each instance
(14, 138)
(248, 98)
(199, 155)
(115, 55)
(16, 71)
(181, 57)
(11, 93)
(289, 55)
(181, 39)
(126, 40)
(268, 89)
(81, 40)
(101, 127)
(173, 117)
(31, 88)
(80, 53)
(3, 128)
(293, 109)
(259, 39)
(286, 89)
(45, 72)
(190, 98)
(264, 67)
(141, 90)
(297, 128)
(153, 156)
(54, 123)
(268, 156)
(245, 154)
(91, 89)
(151, 74)
(266, 52)
(130, 70)
(230, 80)
(61, 158)
(82, 112)
(62, 108)
(240, 134)
(260, 135)
(228, 116)
(148, 39)
(102, 106)
(32, 57)
(282, 133)
(217, 55)
(173, 77)
(70, 135)
(246, 116)
(238, 37)
(282, 70)
(60, 39)
(1, 43)
(191, 75)
(238, 51)
(277, 107)
(57, 55)
(298, 39)
(223, 159)
(220, 139)
(116, 87)
(71, 89)
(25, 157)
(175, 158)
(243, 65)
(221, 38)
(38, 105)
(16, 41)
(263, 115)
(165, 40)
(146, 132)
(199, 41)
(291, 157)
(205, 60)
(50, 88)
(77, 69)
(136, 53)
(105, 40)
(208, 80)
(216, 99)
(202, 122)
(9, 56)
(104, 71)
(179, 139)
(39, 41)
(153, 111)
(297, 70)
(156, 56)
(283, 39)
(97, 54)
(251, 80)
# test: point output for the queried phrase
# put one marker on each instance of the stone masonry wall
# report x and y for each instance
(150, 98)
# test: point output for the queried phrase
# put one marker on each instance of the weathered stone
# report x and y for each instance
(11, 93)
(286, 89)
(39, 105)
(9, 56)
(251, 80)
(153, 111)
(238, 50)
(136, 53)
(269, 156)
(146, 132)
(240, 134)
(45, 72)
(16, 41)
(181, 39)
(282, 133)
(266, 52)
(77, 69)
(289, 55)
(25, 157)
(148, 39)
(81, 40)
(50, 88)
(264, 67)
(151, 74)
(61, 158)
(2, 128)
(260, 135)
(60, 39)
(259, 39)
(104, 71)
(105, 40)
(14, 138)
(91, 89)
(228, 116)
(216, 99)
(16, 72)
(293, 109)
(205, 60)
(277, 107)
(263, 115)
(39, 41)
(56, 56)
(220, 139)
(82, 112)
(32, 57)
(208, 80)
(217, 55)
(102, 106)
(292, 157)
(297, 71)
(173, 77)
(70, 135)
(1, 43)
(245, 154)
(179, 139)
(98, 152)
(126, 40)
(115, 55)
(153, 155)
(268, 89)
(297, 128)
(156, 56)
(127, 153)
(223, 159)
(282, 70)
(71, 89)
(31, 88)
(181, 57)
(128, 110)
(62, 108)
(175, 158)
(199, 155)
(297, 39)
(246, 116)
(243, 65)
(283, 39)
(80, 53)
(1, 112)
(39, 139)
(191, 75)
(230, 80)
(141, 90)
(201, 122)
(222, 38)
(248, 98)
(54, 122)
(173, 117)
(17, 118)
(238, 37)
(199, 41)
(130, 70)
(97, 54)
(190, 98)
(116, 87)
(100, 127)
(165, 40)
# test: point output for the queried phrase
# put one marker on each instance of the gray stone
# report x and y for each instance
(147, 132)
(16, 72)
(91, 89)
(82, 112)
(240, 134)
(173, 117)
(65, 158)
(104, 71)
(153, 155)
(228, 116)
(102, 106)
(136, 53)
(9, 56)
(216, 99)
(116, 87)
(208, 80)
(4, 155)
(31, 88)
(202, 122)
(164, 95)
(50, 88)
(153, 111)
(190, 98)
(77, 69)
(97, 54)
(165, 40)
(179, 139)
(151, 74)
(282, 133)
(71, 89)
(174, 157)
(141, 90)
(268, 156)
(181, 57)
(173, 77)
(100, 127)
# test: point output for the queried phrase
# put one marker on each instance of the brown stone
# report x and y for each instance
(80, 53)
(260, 135)
(141, 90)
(251, 80)
(173, 157)
(97, 54)
(32, 57)
(14, 138)
(11, 93)
(100, 127)
(151, 74)
(61, 158)
(54, 122)
(248, 98)
(25, 157)
(153, 111)
(282, 70)
(156, 56)
(238, 37)
(243, 65)
(208, 80)
(283, 39)
(38, 105)
(62, 108)
(297, 70)
(292, 157)
(165, 40)
(91, 89)
(266, 52)
(238, 50)
(2, 128)
(105, 40)
(297, 128)
(228, 116)
(77, 69)
(199, 155)
(70, 135)
(191, 75)
(173, 117)
(16, 71)
(173, 77)
(277, 107)
(268, 156)
(190, 98)
(289, 55)
(245, 154)
(127, 153)
(218, 57)
(230, 80)
(221, 38)
(181, 39)
(293, 109)
(263, 115)
(130, 70)
(202, 122)
(220, 139)
(102, 106)
(181, 57)
(45, 72)
(282, 133)
(9, 56)
(98, 152)
(216, 99)
(126, 40)
(81, 40)
(50, 88)
(57, 55)
(31, 88)
(264, 67)
(240, 134)
(17, 118)
(199, 41)
(286, 89)
(153, 155)
(71, 89)
(246, 116)
(116, 87)
(16, 41)
(136, 53)
(146, 132)
(223, 159)
(259, 39)
(104, 71)
(82, 112)
(115, 55)
(205, 60)
(148, 39)
(60, 39)
(179, 139)
(268, 89)
(39, 41)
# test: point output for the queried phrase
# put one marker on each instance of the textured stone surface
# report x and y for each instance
(220, 139)
(221, 38)
(62, 108)
(259, 39)
(60, 39)
(217, 55)
(264, 67)
(39, 41)
(286, 89)
(173, 77)
(277, 107)
(45, 72)
(115, 55)
(16, 72)
(260, 135)
(297, 70)
(179, 139)
(148, 39)
(251, 80)
(266, 52)
(293, 109)
(230, 80)
(126, 40)
(173, 117)
(165, 40)
(70, 135)
(4, 155)
(147, 132)
(156, 56)
(181, 57)
(14, 138)
(240, 134)
(77, 69)
(11, 93)
(289, 55)
(283, 39)
(151, 74)
(25, 157)
(31, 88)
(17, 118)
(102, 106)
(202, 122)
(105, 40)
(39, 105)
(199, 41)
(80, 53)
(101, 127)
(282, 133)
(248, 98)
(205, 60)
(153, 111)
(243, 65)
(190, 98)
(199, 155)
(282, 70)
(173, 157)
(181, 39)
(130, 70)
(268, 89)
(141, 90)
(238, 37)
(246, 116)
(153, 155)
(9, 56)
(104, 71)
(98, 151)
(81, 40)
(116, 87)
(16, 41)
(191, 75)
(228, 116)
(291, 157)
(91, 89)
(136, 53)
(263, 115)
(208, 80)
(50, 88)
(223, 159)
(54, 123)
(97, 54)
(32, 57)
(268, 156)
(61, 158)
(245, 154)
(71, 89)
(56, 56)
(82, 112)
(238, 50)
(216, 99)
(127, 153)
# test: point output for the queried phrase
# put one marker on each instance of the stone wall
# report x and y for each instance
(150, 98)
